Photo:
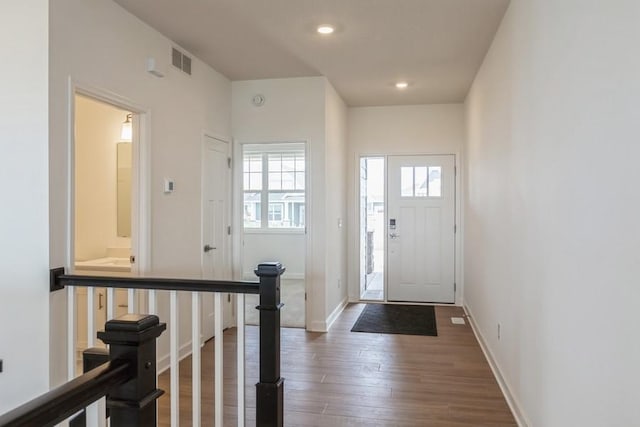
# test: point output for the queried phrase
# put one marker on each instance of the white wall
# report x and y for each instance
(552, 208)
(411, 129)
(24, 214)
(97, 131)
(335, 200)
(286, 248)
(96, 44)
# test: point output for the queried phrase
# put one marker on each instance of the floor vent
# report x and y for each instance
(458, 320)
(180, 60)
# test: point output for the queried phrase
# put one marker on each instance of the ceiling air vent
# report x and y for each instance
(176, 58)
(180, 60)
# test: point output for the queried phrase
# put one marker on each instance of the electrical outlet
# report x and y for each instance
(498, 331)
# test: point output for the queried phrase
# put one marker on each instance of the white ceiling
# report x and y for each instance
(435, 45)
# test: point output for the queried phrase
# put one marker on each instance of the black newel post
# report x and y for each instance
(132, 338)
(270, 389)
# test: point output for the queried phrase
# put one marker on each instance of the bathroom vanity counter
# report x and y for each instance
(105, 264)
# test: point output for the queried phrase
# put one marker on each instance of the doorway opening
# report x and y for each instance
(103, 209)
(273, 214)
(407, 228)
(372, 228)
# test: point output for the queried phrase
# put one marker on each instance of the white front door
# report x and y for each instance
(216, 260)
(420, 228)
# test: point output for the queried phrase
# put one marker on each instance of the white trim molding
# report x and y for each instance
(163, 362)
(514, 404)
(324, 326)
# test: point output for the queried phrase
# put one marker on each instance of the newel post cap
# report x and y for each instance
(132, 329)
(269, 269)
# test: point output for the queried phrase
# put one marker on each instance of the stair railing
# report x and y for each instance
(269, 389)
(128, 379)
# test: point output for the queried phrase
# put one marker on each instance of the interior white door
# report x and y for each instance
(420, 228)
(216, 259)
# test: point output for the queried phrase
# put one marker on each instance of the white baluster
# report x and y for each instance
(91, 339)
(152, 302)
(71, 332)
(131, 301)
(195, 358)
(174, 344)
(96, 413)
(218, 359)
(111, 303)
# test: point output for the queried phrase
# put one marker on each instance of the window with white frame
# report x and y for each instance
(420, 181)
(274, 176)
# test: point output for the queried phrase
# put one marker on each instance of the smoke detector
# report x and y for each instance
(258, 100)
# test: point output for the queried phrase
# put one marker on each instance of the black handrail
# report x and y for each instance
(270, 389)
(128, 380)
(64, 401)
(58, 280)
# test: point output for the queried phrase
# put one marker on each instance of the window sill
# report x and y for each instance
(274, 231)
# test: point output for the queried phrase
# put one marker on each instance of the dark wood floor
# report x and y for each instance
(345, 378)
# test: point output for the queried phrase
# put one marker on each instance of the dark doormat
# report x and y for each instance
(397, 319)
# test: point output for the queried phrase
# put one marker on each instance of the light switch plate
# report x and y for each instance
(169, 185)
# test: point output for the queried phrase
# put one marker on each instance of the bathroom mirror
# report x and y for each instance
(124, 189)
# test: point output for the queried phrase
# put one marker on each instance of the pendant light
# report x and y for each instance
(126, 133)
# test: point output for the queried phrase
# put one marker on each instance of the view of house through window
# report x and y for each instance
(372, 228)
(274, 176)
(420, 181)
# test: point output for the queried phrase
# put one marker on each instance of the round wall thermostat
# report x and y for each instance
(258, 100)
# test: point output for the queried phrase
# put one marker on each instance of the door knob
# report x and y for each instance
(208, 248)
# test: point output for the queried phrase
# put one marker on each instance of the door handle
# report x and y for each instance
(100, 301)
(208, 248)
(394, 235)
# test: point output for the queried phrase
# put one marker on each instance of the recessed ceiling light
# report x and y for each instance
(402, 85)
(325, 29)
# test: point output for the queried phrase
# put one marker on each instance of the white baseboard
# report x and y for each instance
(163, 362)
(317, 326)
(336, 312)
(324, 326)
(514, 405)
